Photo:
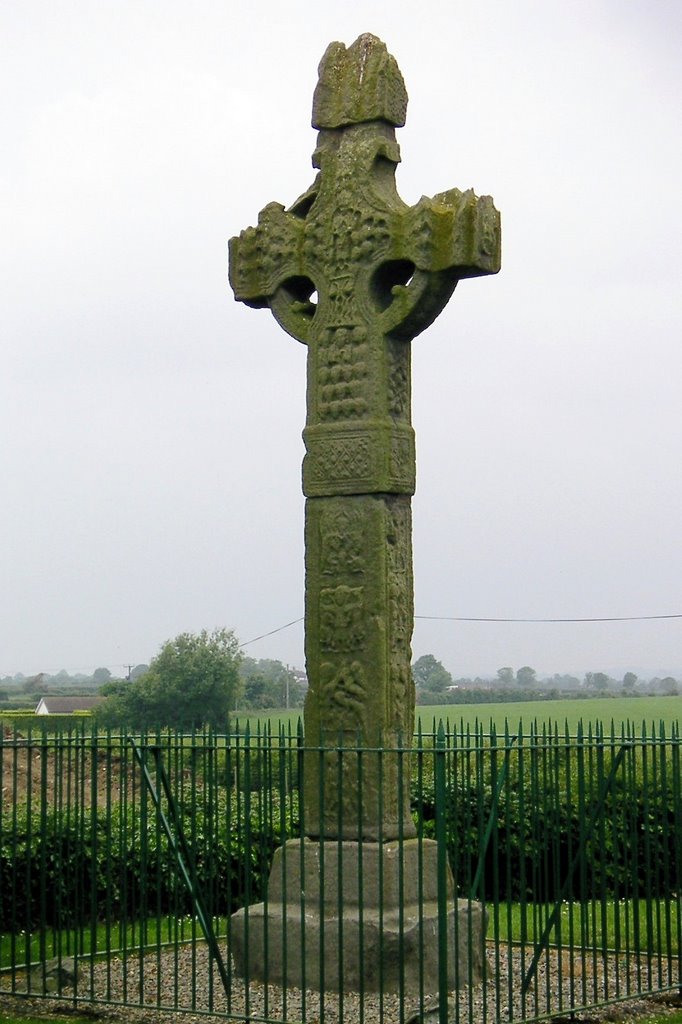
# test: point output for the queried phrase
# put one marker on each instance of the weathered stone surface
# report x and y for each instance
(321, 876)
(354, 273)
(358, 914)
(55, 975)
(359, 624)
(361, 83)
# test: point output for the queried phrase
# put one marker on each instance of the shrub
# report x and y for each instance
(62, 871)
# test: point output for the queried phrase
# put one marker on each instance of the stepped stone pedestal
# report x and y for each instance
(341, 916)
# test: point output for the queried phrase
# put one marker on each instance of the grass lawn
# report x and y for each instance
(101, 939)
(601, 924)
(666, 1018)
(609, 924)
(21, 1019)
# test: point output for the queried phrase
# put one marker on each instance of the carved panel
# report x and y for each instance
(340, 459)
(401, 619)
(341, 298)
(399, 537)
(342, 618)
(402, 459)
(342, 374)
(400, 696)
(344, 701)
(398, 380)
(342, 542)
(370, 237)
(401, 710)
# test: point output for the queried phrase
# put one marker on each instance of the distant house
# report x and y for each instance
(66, 705)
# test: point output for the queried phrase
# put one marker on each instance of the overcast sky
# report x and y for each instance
(151, 427)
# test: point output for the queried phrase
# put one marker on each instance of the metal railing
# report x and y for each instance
(544, 878)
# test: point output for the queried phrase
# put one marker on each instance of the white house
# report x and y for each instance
(66, 705)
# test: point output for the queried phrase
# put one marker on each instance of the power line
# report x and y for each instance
(604, 618)
(272, 632)
(470, 618)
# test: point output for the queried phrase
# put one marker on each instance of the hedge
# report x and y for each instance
(27, 721)
(59, 871)
(545, 850)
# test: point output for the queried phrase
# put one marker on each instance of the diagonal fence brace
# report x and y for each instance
(492, 820)
(180, 850)
(543, 942)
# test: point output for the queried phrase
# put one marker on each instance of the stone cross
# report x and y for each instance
(354, 273)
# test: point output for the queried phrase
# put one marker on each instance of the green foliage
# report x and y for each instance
(27, 721)
(192, 682)
(63, 871)
(477, 695)
(526, 677)
(268, 684)
(561, 827)
(597, 681)
(430, 677)
(36, 684)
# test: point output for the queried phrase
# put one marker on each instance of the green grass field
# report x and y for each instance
(605, 710)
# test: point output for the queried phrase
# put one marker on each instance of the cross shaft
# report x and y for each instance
(354, 273)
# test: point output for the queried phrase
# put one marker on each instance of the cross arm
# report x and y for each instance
(455, 231)
(266, 269)
(444, 239)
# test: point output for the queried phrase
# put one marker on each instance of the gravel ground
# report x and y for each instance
(185, 981)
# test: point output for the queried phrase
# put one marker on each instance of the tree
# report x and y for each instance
(114, 688)
(192, 681)
(269, 684)
(526, 677)
(668, 686)
(505, 675)
(629, 681)
(564, 681)
(430, 675)
(597, 680)
(36, 684)
(101, 675)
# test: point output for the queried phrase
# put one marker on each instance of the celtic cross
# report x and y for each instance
(354, 273)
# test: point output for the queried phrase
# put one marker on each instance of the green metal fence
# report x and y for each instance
(134, 871)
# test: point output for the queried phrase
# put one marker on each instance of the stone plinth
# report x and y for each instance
(345, 916)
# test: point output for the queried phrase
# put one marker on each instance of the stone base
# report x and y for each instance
(345, 916)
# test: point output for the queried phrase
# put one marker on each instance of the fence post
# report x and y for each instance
(442, 871)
